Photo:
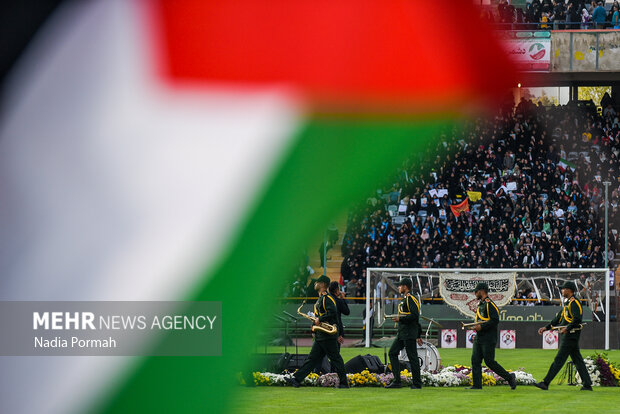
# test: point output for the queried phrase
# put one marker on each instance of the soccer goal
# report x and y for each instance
(455, 288)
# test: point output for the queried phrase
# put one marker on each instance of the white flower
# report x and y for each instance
(592, 370)
(524, 378)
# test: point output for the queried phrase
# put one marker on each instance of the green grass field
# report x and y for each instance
(500, 399)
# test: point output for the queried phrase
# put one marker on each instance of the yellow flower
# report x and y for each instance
(488, 380)
(260, 379)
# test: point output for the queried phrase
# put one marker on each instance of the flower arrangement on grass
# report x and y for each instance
(452, 376)
(363, 379)
(602, 371)
(268, 378)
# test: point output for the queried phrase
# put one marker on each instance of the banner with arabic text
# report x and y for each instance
(457, 289)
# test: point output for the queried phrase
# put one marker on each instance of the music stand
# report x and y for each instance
(296, 328)
(281, 319)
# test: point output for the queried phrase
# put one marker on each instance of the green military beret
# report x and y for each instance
(569, 285)
(324, 279)
(481, 286)
(405, 282)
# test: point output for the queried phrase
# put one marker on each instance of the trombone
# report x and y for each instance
(577, 328)
(386, 317)
(323, 326)
(472, 324)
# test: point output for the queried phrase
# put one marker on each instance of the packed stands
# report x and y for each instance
(522, 189)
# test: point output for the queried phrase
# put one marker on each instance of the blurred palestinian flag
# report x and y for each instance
(189, 149)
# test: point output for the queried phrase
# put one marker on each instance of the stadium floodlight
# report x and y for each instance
(382, 287)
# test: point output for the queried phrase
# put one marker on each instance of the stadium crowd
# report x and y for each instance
(530, 184)
(555, 14)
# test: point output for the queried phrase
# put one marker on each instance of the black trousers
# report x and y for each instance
(485, 351)
(412, 353)
(568, 346)
(315, 358)
(331, 369)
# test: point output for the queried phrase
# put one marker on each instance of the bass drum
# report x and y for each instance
(428, 356)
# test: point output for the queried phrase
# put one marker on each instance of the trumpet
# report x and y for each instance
(578, 328)
(323, 326)
(471, 325)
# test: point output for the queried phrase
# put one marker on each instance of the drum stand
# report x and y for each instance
(431, 321)
(427, 359)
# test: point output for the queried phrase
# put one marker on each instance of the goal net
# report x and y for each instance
(454, 287)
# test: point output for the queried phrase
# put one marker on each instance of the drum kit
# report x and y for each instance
(428, 355)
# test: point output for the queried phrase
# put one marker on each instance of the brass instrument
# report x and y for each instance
(421, 316)
(385, 317)
(557, 328)
(323, 326)
(472, 324)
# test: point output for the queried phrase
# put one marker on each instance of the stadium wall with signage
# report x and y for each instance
(531, 51)
(526, 334)
(563, 51)
(585, 51)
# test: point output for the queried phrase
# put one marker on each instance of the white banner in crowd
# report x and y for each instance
(507, 339)
(470, 335)
(457, 290)
(438, 193)
(550, 340)
(448, 338)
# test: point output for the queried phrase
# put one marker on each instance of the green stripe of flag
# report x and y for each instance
(332, 163)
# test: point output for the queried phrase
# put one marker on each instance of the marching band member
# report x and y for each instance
(570, 315)
(486, 340)
(409, 331)
(325, 310)
(341, 306)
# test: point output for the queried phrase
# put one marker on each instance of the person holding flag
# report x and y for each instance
(461, 207)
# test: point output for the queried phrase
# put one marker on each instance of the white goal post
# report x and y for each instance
(382, 286)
